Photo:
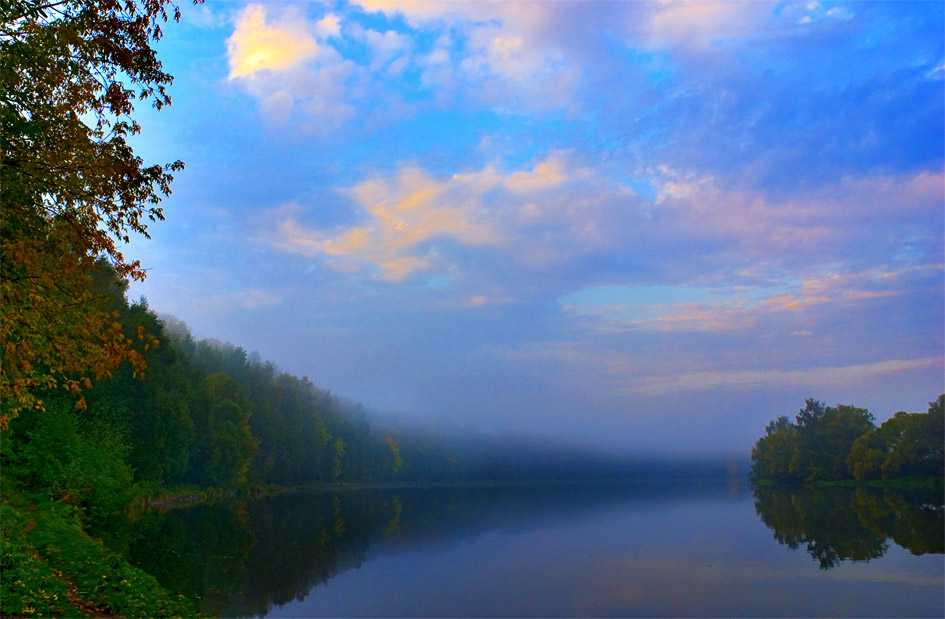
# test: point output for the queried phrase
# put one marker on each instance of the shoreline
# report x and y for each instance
(190, 497)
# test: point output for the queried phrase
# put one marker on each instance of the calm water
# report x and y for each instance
(712, 549)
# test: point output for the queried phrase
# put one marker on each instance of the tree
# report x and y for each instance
(813, 448)
(225, 444)
(906, 444)
(824, 438)
(772, 453)
(71, 187)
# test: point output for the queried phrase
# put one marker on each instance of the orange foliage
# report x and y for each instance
(71, 188)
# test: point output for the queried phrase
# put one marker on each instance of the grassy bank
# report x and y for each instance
(52, 568)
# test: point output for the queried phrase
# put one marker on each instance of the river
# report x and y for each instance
(705, 549)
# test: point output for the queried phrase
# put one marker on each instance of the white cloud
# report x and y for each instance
(386, 46)
(509, 55)
(287, 63)
(328, 26)
(277, 107)
(256, 45)
(686, 23)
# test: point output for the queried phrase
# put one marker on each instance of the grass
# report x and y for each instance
(52, 568)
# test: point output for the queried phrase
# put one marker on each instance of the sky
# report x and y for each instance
(649, 227)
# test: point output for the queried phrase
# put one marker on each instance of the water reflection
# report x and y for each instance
(855, 524)
(241, 559)
(606, 550)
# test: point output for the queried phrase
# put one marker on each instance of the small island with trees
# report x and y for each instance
(842, 444)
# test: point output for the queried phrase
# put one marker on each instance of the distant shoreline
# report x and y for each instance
(187, 498)
(899, 483)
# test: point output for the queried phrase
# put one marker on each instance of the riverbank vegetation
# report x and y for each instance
(51, 567)
(842, 444)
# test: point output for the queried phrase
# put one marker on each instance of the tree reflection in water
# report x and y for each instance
(244, 559)
(239, 559)
(852, 524)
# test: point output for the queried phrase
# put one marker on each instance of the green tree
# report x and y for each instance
(225, 443)
(906, 444)
(813, 448)
(772, 453)
(73, 459)
(824, 438)
(71, 187)
(867, 455)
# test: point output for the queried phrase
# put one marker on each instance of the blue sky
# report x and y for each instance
(647, 226)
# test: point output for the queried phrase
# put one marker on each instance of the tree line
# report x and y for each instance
(202, 413)
(826, 443)
(206, 414)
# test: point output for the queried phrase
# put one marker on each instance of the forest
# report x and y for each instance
(834, 443)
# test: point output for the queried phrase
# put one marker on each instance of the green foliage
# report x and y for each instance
(835, 443)
(224, 442)
(905, 445)
(72, 460)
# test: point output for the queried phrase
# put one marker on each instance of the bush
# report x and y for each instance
(74, 461)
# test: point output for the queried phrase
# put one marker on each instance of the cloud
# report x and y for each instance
(744, 308)
(256, 45)
(815, 12)
(685, 23)
(387, 44)
(548, 173)
(416, 11)
(765, 379)
(570, 226)
(534, 218)
(287, 62)
(712, 25)
(498, 54)
(502, 58)
(404, 215)
(328, 26)
(202, 16)
(839, 218)
(665, 370)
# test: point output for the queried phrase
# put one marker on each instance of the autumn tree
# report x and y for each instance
(72, 190)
